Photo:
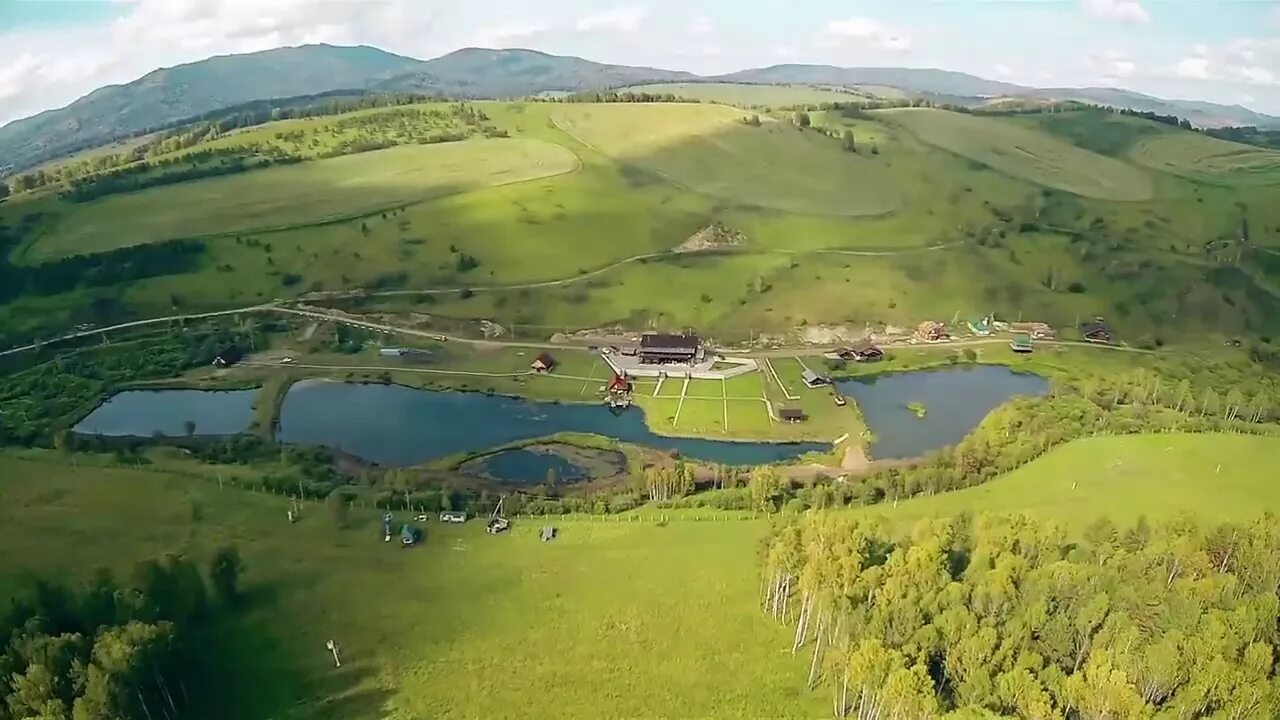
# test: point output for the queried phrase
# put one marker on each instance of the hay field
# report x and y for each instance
(1208, 159)
(1016, 150)
(311, 192)
(707, 149)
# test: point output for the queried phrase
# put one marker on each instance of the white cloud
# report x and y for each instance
(1255, 75)
(623, 19)
(711, 50)
(1130, 11)
(868, 31)
(702, 26)
(1194, 67)
(503, 36)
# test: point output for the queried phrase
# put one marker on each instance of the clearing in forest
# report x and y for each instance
(301, 194)
(1209, 159)
(709, 149)
(1013, 149)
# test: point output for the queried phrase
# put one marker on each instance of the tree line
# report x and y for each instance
(1014, 617)
(104, 269)
(134, 650)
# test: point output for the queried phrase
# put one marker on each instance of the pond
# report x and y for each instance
(531, 464)
(913, 413)
(145, 413)
(397, 426)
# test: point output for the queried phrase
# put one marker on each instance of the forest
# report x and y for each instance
(1013, 617)
(117, 651)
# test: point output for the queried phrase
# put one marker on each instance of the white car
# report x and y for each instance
(286, 361)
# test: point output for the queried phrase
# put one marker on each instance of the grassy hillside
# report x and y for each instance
(1219, 478)
(1209, 159)
(1017, 151)
(622, 619)
(709, 149)
(317, 192)
(745, 95)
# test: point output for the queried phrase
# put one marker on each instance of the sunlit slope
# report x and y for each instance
(305, 193)
(708, 149)
(1023, 152)
(1208, 159)
(1216, 477)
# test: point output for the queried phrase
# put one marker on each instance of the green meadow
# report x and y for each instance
(574, 222)
(623, 616)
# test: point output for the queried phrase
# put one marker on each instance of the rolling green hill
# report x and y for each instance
(1017, 151)
(1218, 478)
(747, 95)
(1209, 160)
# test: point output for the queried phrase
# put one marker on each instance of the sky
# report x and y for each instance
(54, 51)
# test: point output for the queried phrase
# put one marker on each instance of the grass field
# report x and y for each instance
(1209, 159)
(1216, 477)
(747, 95)
(465, 626)
(706, 148)
(279, 197)
(1021, 152)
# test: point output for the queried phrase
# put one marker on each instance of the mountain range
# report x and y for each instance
(167, 96)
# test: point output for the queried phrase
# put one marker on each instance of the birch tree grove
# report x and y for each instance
(1007, 616)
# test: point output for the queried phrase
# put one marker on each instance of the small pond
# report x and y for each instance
(954, 401)
(145, 413)
(397, 426)
(530, 465)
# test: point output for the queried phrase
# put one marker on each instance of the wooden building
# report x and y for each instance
(1097, 332)
(543, 363)
(661, 348)
(792, 415)
(864, 352)
(813, 379)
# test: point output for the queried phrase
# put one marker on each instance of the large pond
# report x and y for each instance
(396, 425)
(146, 413)
(953, 400)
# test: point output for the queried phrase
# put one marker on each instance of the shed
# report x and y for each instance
(792, 415)
(228, 356)
(543, 363)
(391, 352)
(1097, 332)
(813, 379)
(1021, 343)
(619, 385)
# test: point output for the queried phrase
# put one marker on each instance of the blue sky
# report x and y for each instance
(58, 50)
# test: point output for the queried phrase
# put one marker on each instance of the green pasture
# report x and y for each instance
(1022, 152)
(466, 625)
(1209, 159)
(702, 417)
(699, 388)
(305, 193)
(1218, 478)
(749, 385)
(708, 149)
(747, 95)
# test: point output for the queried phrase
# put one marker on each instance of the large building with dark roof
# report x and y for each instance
(660, 348)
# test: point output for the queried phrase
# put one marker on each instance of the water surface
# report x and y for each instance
(146, 413)
(956, 399)
(396, 425)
